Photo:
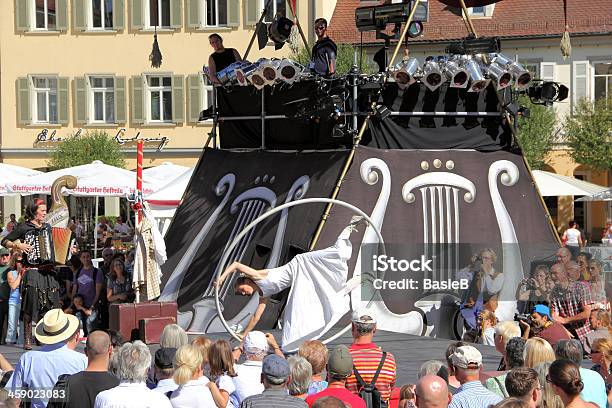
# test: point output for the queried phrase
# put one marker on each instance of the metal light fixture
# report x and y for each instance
(404, 72)
(289, 71)
(432, 75)
(522, 77)
(256, 76)
(478, 81)
(458, 76)
(244, 71)
(501, 77)
(269, 70)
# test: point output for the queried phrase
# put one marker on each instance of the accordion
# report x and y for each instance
(49, 245)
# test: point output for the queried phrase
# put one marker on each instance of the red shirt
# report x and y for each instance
(366, 358)
(344, 395)
(554, 333)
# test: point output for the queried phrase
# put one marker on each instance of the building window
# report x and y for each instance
(215, 13)
(102, 99)
(278, 7)
(481, 11)
(101, 15)
(159, 13)
(159, 98)
(207, 93)
(45, 14)
(602, 80)
(44, 100)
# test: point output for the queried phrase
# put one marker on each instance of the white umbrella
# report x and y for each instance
(163, 173)
(163, 202)
(551, 184)
(605, 195)
(9, 173)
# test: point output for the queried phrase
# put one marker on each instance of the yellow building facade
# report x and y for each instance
(71, 66)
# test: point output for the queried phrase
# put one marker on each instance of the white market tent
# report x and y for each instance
(551, 184)
(164, 173)
(10, 173)
(163, 202)
(605, 195)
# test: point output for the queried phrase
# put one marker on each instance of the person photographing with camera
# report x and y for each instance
(533, 291)
(540, 324)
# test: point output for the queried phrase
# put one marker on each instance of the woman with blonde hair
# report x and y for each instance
(602, 357)
(192, 391)
(537, 350)
(315, 352)
(221, 363)
(549, 398)
(203, 343)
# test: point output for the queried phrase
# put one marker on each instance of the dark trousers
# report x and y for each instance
(4, 308)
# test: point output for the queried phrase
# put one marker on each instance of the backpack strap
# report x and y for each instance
(502, 388)
(360, 380)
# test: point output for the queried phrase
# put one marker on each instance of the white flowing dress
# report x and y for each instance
(317, 298)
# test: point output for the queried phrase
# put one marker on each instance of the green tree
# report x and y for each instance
(536, 133)
(344, 60)
(589, 133)
(84, 149)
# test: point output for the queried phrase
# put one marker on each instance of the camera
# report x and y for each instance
(531, 284)
(523, 317)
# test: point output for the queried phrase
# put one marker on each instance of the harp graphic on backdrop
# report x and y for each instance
(245, 208)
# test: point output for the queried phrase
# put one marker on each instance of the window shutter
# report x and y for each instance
(23, 103)
(80, 101)
(580, 88)
(251, 13)
(178, 100)
(176, 14)
(137, 99)
(22, 15)
(118, 15)
(62, 15)
(193, 13)
(79, 15)
(137, 14)
(233, 13)
(62, 100)
(547, 71)
(195, 98)
(120, 114)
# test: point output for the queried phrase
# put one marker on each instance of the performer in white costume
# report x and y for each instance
(318, 297)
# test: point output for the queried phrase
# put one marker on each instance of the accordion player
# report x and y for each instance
(49, 245)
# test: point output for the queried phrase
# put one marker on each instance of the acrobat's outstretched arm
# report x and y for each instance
(249, 272)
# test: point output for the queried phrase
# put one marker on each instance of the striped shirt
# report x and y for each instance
(366, 358)
(474, 395)
(273, 398)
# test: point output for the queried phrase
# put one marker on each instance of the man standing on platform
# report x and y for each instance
(221, 58)
(324, 51)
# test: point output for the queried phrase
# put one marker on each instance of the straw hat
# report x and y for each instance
(56, 326)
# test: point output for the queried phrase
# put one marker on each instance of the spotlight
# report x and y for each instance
(243, 72)
(289, 71)
(269, 70)
(500, 76)
(256, 76)
(432, 76)
(280, 30)
(474, 69)
(522, 77)
(458, 76)
(404, 72)
(547, 93)
(415, 29)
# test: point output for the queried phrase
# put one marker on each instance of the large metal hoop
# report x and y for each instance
(263, 217)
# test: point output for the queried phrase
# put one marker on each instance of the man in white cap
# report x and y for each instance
(40, 369)
(248, 380)
(467, 361)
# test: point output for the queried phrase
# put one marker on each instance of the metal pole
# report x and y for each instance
(263, 15)
(263, 119)
(95, 234)
(297, 22)
(467, 18)
(213, 132)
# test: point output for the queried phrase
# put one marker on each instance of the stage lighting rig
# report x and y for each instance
(456, 74)
(522, 77)
(404, 72)
(501, 77)
(377, 17)
(474, 68)
(432, 75)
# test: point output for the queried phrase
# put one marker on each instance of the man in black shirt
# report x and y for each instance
(324, 51)
(221, 58)
(82, 388)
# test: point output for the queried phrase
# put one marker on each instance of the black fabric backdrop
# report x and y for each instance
(479, 133)
(276, 171)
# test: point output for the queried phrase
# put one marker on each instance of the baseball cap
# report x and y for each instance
(275, 366)
(255, 342)
(542, 310)
(4, 251)
(164, 357)
(362, 316)
(340, 362)
(467, 357)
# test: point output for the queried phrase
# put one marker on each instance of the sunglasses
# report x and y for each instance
(548, 380)
(319, 28)
(3, 255)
